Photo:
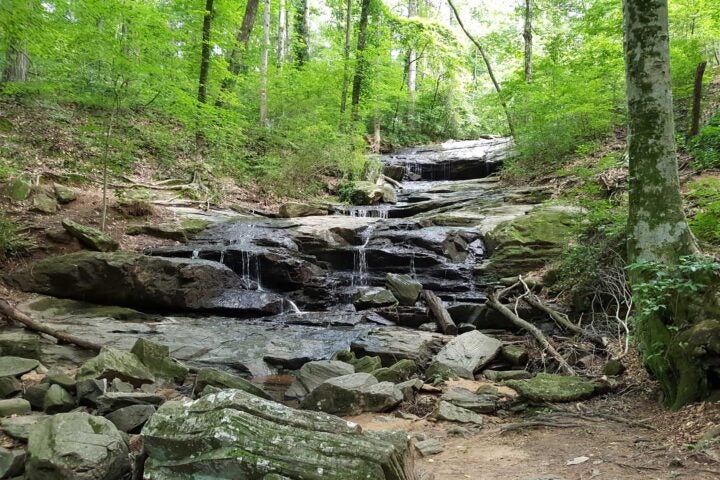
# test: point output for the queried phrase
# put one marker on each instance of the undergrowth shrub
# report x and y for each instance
(11, 240)
(705, 223)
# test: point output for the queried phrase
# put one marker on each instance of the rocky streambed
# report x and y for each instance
(211, 346)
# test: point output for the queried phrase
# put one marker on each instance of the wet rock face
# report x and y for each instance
(233, 434)
(149, 283)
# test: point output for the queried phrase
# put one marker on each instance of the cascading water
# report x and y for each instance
(360, 267)
(380, 212)
(250, 268)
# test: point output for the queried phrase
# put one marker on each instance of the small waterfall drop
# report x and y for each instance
(360, 267)
(250, 268)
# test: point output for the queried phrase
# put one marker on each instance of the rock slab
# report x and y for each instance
(464, 355)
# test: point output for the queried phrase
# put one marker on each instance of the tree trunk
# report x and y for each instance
(438, 310)
(361, 62)
(302, 31)
(488, 66)
(264, 64)
(16, 63)
(412, 60)
(205, 55)
(242, 39)
(282, 25)
(346, 55)
(697, 100)
(657, 228)
(527, 36)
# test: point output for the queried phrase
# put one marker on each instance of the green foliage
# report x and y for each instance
(12, 242)
(666, 288)
(705, 223)
(705, 147)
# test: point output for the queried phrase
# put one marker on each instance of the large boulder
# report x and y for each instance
(301, 209)
(392, 344)
(374, 298)
(151, 283)
(91, 237)
(219, 379)
(77, 446)
(405, 288)
(44, 203)
(548, 387)
(464, 355)
(531, 241)
(157, 359)
(111, 363)
(352, 395)
(232, 434)
(16, 366)
(17, 189)
(313, 374)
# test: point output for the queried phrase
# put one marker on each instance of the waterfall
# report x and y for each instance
(360, 267)
(195, 254)
(294, 307)
(365, 212)
(250, 268)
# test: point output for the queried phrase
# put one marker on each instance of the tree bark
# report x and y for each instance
(282, 34)
(361, 62)
(205, 54)
(485, 58)
(16, 63)
(264, 64)
(442, 316)
(302, 31)
(657, 227)
(697, 100)
(528, 37)
(346, 55)
(412, 60)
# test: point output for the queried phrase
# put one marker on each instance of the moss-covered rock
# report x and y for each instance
(353, 394)
(63, 194)
(178, 230)
(9, 386)
(232, 435)
(91, 237)
(398, 372)
(77, 446)
(301, 209)
(403, 287)
(548, 387)
(374, 298)
(44, 203)
(157, 359)
(16, 366)
(58, 400)
(111, 363)
(531, 241)
(14, 406)
(220, 379)
(362, 364)
(17, 189)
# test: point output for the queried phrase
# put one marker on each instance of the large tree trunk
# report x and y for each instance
(302, 32)
(491, 73)
(264, 64)
(346, 55)
(242, 40)
(361, 62)
(528, 37)
(412, 60)
(205, 55)
(16, 63)
(657, 229)
(697, 100)
(282, 34)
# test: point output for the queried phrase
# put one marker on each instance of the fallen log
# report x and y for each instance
(15, 315)
(494, 302)
(442, 316)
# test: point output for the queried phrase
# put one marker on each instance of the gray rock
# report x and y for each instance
(19, 427)
(64, 194)
(409, 388)
(12, 462)
(118, 385)
(9, 386)
(236, 434)
(113, 401)
(449, 412)
(44, 203)
(19, 343)
(398, 372)
(16, 366)
(111, 363)
(91, 237)
(131, 418)
(548, 387)
(514, 355)
(405, 288)
(58, 377)
(374, 298)
(17, 189)
(14, 406)
(502, 375)
(392, 344)
(77, 446)
(300, 209)
(35, 394)
(361, 365)
(157, 359)
(463, 398)
(89, 390)
(313, 374)
(353, 394)
(431, 446)
(458, 431)
(464, 355)
(220, 379)
(57, 400)
(132, 279)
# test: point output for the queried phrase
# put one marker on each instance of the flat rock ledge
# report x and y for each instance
(233, 434)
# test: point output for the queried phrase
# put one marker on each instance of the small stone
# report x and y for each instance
(14, 406)
(58, 377)
(35, 394)
(466, 327)
(217, 378)
(353, 394)
(118, 385)
(64, 194)
(403, 287)
(374, 298)
(458, 431)
(502, 375)
(131, 418)
(58, 400)
(16, 366)
(613, 368)
(9, 386)
(43, 203)
(429, 447)
(91, 237)
(398, 372)
(515, 355)
(59, 235)
(89, 390)
(449, 412)
(300, 209)
(463, 398)
(428, 327)
(12, 462)
(547, 387)
(410, 388)
(113, 401)
(157, 359)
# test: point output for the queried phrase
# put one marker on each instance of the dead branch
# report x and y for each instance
(530, 328)
(392, 182)
(442, 316)
(186, 186)
(537, 423)
(17, 316)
